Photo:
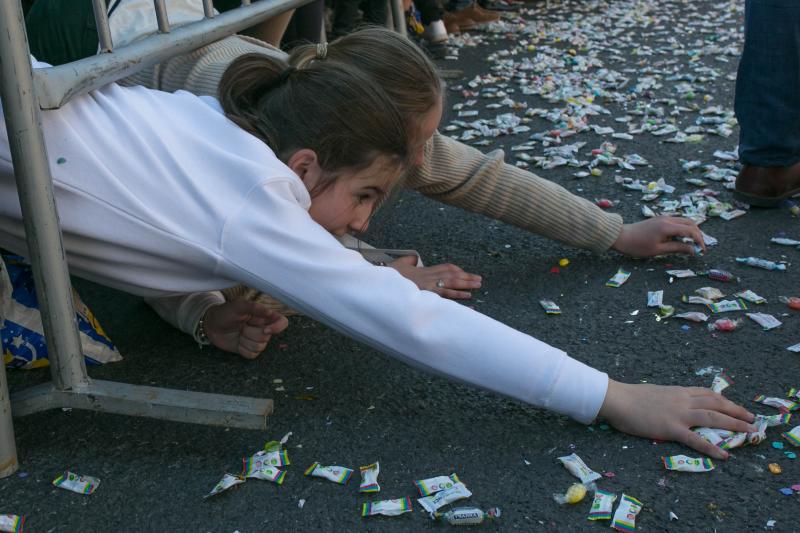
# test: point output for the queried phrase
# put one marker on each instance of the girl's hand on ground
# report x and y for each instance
(669, 413)
(457, 283)
(654, 236)
(243, 327)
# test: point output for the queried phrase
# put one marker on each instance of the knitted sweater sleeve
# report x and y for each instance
(459, 175)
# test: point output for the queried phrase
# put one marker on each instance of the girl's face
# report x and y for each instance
(347, 205)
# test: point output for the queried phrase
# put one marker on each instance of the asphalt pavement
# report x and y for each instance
(348, 405)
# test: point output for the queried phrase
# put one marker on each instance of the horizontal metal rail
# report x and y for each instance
(55, 86)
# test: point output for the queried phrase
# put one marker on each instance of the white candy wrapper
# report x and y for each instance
(578, 468)
(711, 435)
(765, 320)
(726, 306)
(759, 435)
(76, 483)
(751, 297)
(434, 502)
(602, 505)
(387, 507)
(337, 474)
(625, 516)
(680, 274)
(619, 278)
(711, 293)
(265, 472)
(775, 420)
(793, 436)
(721, 382)
(432, 485)
(655, 298)
(733, 441)
(227, 481)
(778, 403)
(11, 523)
(369, 478)
(683, 463)
(693, 316)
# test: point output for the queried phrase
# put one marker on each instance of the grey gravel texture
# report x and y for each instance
(367, 407)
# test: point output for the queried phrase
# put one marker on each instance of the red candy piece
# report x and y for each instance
(793, 302)
(725, 324)
(605, 203)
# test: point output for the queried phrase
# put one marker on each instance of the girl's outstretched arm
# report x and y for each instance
(669, 413)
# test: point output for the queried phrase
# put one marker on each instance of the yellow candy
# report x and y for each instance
(575, 493)
(531, 48)
(775, 468)
(563, 262)
(795, 210)
(596, 171)
(652, 186)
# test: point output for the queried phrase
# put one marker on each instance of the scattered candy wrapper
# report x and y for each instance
(775, 420)
(550, 307)
(76, 483)
(432, 485)
(227, 481)
(710, 293)
(267, 458)
(619, 278)
(655, 298)
(761, 263)
(792, 301)
(779, 403)
(794, 348)
(387, 507)
(683, 463)
(719, 275)
(765, 320)
(726, 306)
(751, 297)
(682, 273)
(721, 382)
(369, 478)
(625, 515)
(265, 472)
(784, 242)
(725, 324)
(575, 493)
(602, 505)
(672, 516)
(578, 468)
(689, 299)
(793, 393)
(733, 441)
(337, 474)
(793, 435)
(710, 434)
(693, 316)
(434, 502)
(11, 523)
(467, 516)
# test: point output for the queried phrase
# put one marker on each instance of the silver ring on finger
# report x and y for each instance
(440, 284)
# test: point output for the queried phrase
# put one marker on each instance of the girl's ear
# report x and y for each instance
(305, 164)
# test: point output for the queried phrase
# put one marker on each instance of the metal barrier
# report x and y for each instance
(23, 92)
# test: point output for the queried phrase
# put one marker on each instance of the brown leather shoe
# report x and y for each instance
(478, 14)
(458, 19)
(767, 186)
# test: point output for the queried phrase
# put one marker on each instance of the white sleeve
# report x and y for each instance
(272, 244)
(184, 311)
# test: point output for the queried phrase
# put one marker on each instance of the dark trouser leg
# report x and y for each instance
(767, 99)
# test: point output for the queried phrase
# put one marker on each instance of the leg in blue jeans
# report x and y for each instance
(767, 99)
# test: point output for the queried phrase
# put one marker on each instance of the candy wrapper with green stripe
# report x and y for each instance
(337, 474)
(369, 478)
(228, 481)
(432, 485)
(76, 483)
(619, 278)
(602, 505)
(21, 331)
(436, 501)
(11, 523)
(779, 403)
(793, 436)
(625, 516)
(387, 507)
(255, 469)
(683, 463)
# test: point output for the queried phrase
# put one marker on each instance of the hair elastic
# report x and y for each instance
(322, 50)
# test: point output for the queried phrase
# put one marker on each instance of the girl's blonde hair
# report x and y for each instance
(330, 107)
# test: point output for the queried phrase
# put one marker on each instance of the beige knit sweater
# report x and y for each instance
(452, 172)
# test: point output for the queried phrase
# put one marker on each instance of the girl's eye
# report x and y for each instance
(364, 198)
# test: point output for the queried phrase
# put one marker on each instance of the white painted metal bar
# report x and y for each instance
(161, 16)
(154, 402)
(103, 30)
(8, 448)
(398, 16)
(56, 85)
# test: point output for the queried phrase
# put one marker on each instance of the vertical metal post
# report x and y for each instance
(161, 16)
(399, 17)
(8, 449)
(35, 187)
(103, 31)
(208, 8)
